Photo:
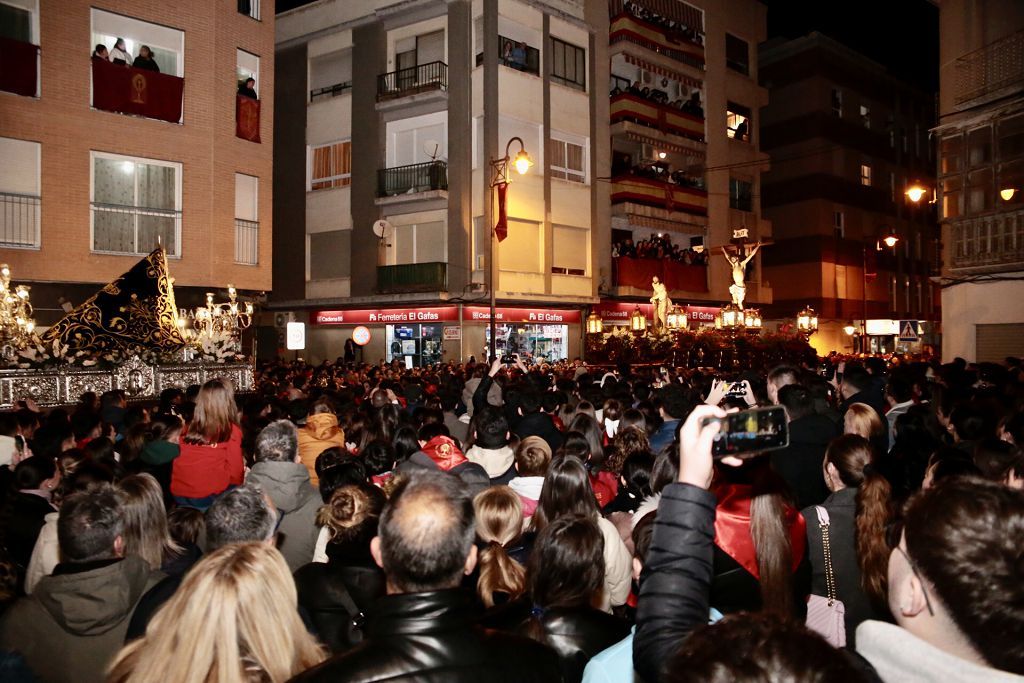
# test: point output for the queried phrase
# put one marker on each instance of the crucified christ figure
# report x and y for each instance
(738, 288)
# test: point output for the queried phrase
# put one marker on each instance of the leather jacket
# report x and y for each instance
(576, 634)
(336, 596)
(431, 636)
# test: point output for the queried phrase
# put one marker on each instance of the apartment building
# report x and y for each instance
(848, 140)
(393, 112)
(686, 158)
(981, 178)
(103, 161)
(389, 116)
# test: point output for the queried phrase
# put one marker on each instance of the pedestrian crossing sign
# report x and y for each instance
(909, 331)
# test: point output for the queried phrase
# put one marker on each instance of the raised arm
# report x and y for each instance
(751, 255)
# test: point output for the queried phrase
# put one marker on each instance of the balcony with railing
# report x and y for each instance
(992, 71)
(19, 221)
(414, 182)
(119, 229)
(631, 194)
(247, 234)
(684, 47)
(655, 116)
(139, 92)
(330, 91)
(636, 273)
(424, 79)
(515, 54)
(412, 277)
(988, 244)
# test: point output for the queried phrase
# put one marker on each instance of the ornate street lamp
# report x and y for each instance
(807, 322)
(732, 317)
(17, 328)
(594, 324)
(752, 320)
(638, 322)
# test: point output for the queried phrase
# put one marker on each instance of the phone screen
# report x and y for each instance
(751, 432)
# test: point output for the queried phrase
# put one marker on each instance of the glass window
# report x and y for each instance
(979, 147)
(837, 103)
(737, 121)
(16, 22)
(246, 219)
(247, 66)
(330, 75)
(418, 243)
(1011, 138)
(839, 223)
(865, 175)
(951, 149)
(737, 54)
(865, 115)
(979, 191)
(740, 195)
(522, 251)
(568, 64)
(250, 8)
(952, 199)
(19, 193)
(330, 165)
(136, 204)
(568, 161)
(167, 44)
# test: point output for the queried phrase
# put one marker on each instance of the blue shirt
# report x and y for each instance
(664, 436)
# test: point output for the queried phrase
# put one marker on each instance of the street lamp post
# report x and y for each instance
(500, 179)
(890, 241)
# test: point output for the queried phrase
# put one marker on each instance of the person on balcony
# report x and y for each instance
(248, 89)
(100, 52)
(145, 60)
(119, 53)
(519, 56)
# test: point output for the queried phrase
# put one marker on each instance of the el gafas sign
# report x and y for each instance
(445, 314)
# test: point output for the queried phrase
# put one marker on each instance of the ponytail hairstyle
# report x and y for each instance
(772, 545)
(852, 456)
(499, 521)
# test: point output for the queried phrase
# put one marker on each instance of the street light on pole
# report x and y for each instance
(500, 179)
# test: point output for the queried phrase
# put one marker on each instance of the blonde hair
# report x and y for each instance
(215, 415)
(350, 513)
(862, 420)
(146, 534)
(499, 521)
(233, 620)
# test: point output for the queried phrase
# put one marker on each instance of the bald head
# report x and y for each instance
(425, 540)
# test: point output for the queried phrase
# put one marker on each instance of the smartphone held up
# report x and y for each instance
(748, 433)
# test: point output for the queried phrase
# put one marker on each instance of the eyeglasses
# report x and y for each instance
(913, 568)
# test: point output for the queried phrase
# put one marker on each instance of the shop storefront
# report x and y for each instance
(897, 336)
(425, 335)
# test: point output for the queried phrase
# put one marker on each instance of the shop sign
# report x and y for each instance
(702, 314)
(369, 316)
(618, 312)
(452, 332)
(882, 328)
(521, 315)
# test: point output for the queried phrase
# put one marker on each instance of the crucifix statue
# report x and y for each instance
(738, 288)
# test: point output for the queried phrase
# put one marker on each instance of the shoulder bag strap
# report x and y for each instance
(830, 578)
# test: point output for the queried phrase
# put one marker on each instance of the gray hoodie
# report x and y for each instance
(74, 623)
(287, 484)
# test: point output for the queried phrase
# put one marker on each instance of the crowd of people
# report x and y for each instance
(468, 522)
(119, 54)
(660, 247)
(671, 26)
(690, 105)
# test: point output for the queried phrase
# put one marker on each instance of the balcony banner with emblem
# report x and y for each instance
(18, 61)
(247, 118)
(134, 312)
(127, 90)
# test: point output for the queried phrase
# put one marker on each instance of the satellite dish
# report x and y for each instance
(381, 228)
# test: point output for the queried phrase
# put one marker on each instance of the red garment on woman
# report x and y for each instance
(201, 471)
(606, 487)
(732, 527)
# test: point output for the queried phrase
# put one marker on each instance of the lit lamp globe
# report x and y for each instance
(637, 321)
(522, 162)
(807, 321)
(1006, 194)
(915, 193)
(732, 317)
(594, 324)
(890, 240)
(676, 319)
(849, 329)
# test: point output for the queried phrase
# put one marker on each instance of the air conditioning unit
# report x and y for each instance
(648, 153)
(646, 77)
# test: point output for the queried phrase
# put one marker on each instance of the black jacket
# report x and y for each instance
(800, 463)
(431, 637)
(676, 581)
(335, 595)
(538, 424)
(576, 635)
(27, 516)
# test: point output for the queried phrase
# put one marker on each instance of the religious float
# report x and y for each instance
(128, 336)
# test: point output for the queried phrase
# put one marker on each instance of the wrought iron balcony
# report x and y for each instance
(330, 91)
(412, 81)
(247, 235)
(412, 179)
(412, 277)
(992, 68)
(19, 220)
(988, 243)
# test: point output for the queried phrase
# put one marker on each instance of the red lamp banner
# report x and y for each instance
(247, 118)
(501, 228)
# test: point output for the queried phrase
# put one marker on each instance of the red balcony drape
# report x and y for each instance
(18, 67)
(247, 118)
(128, 90)
(637, 272)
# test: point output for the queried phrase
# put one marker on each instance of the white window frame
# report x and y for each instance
(37, 231)
(242, 71)
(177, 165)
(565, 139)
(865, 175)
(339, 176)
(239, 258)
(586, 269)
(133, 42)
(391, 253)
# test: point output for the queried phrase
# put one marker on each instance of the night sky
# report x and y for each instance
(902, 35)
